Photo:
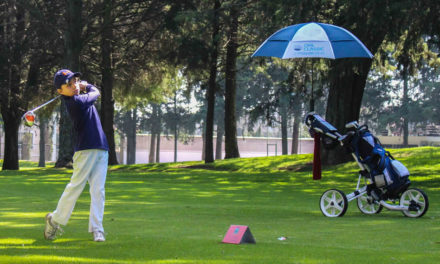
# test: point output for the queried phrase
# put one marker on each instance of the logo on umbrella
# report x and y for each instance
(297, 48)
(311, 47)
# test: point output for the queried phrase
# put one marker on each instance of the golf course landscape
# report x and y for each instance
(179, 213)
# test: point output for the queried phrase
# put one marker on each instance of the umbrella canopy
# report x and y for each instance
(313, 40)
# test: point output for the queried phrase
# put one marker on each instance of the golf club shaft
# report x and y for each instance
(46, 103)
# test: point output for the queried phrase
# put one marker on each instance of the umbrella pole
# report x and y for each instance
(312, 100)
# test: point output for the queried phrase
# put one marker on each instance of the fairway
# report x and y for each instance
(179, 213)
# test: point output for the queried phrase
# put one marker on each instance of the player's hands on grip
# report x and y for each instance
(80, 87)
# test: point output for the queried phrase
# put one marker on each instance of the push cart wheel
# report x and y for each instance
(368, 205)
(333, 203)
(416, 200)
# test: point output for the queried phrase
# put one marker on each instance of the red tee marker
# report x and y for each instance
(238, 234)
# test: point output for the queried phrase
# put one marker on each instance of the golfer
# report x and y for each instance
(90, 159)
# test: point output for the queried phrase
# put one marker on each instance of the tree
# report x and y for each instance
(374, 22)
(23, 58)
(199, 55)
(73, 47)
(158, 131)
(130, 128)
(179, 115)
(375, 101)
(154, 135)
(43, 128)
(231, 146)
(276, 91)
(298, 96)
(220, 121)
(411, 53)
(268, 96)
(297, 120)
(212, 84)
(132, 48)
(124, 26)
(385, 103)
(127, 122)
(129, 28)
(107, 101)
(429, 84)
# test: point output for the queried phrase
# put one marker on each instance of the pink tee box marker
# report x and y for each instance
(238, 234)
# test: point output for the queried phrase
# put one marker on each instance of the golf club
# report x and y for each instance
(29, 116)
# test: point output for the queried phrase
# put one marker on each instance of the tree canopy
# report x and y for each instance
(134, 51)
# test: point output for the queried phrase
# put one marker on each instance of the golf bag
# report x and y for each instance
(386, 180)
(385, 171)
(387, 174)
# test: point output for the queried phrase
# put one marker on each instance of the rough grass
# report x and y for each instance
(179, 213)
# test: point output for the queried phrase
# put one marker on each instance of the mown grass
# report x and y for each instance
(179, 213)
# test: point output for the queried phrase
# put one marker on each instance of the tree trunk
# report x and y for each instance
(209, 148)
(1, 136)
(11, 125)
(131, 136)
(231, 146)
(297, 119)
(158, 132)
(176, 136)
(295, 135)
(122, 149)
(53, 140)
(43, 126)
(405, 107)
(25, 146)
(347, 83)
(153, 134)
(152, 148)
(284, 120)
(203, 145)
(218, 145)
(284, 141)
(107, 101)
(157, 148)
(73, 45)
(65, 139)
(10, 79)
(176, 128)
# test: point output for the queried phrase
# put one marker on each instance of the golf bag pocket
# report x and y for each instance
(379, 180)
(398, 168)
(394, 177)
(383, 179)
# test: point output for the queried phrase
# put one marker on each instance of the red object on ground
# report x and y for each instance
(317, 157)
(238, 234)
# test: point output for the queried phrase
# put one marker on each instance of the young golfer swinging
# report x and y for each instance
(90, 158)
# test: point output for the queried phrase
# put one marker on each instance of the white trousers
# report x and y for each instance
(88, 165)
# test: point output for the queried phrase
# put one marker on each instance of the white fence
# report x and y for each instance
(29, 148)
(192, 151)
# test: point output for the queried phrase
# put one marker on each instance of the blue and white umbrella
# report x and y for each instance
(313, 40)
